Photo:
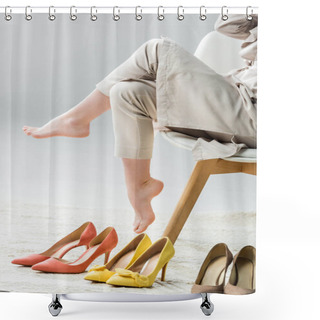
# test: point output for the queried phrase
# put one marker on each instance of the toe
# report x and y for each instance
(136, 228)
(136, 221)
(136, 224)
(140, 228)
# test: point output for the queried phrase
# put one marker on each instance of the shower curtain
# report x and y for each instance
(79, 210)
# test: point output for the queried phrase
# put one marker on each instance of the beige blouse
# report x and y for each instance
(245, 78)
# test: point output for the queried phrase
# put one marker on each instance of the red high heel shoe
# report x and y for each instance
(101, 244)
(80, 237)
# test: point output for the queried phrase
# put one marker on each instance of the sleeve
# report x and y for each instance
(236, 26)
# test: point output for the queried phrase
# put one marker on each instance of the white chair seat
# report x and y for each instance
(187, 142)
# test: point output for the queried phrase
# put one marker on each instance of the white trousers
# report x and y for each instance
(132, 91)
(162, 80)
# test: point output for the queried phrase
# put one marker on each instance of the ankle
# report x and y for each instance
(139, 186)
(74, 121)
(146, 182)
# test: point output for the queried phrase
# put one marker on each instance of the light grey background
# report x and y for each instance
(47, 68)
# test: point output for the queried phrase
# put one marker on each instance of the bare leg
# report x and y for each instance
(76, 121)
(133, 127)
(133, 108)
(142, 64)
(141, 189)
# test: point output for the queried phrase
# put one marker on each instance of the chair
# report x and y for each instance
(244, 161)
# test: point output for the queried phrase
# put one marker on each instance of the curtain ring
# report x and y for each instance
(249, 16)
(116, 17)
(93, 17)
(138, 16)
(73, 17)
(28, 16)
(160, 16)
(203, 16)
(224, 16)
(52, 16)
(180, 15)
(7, 16)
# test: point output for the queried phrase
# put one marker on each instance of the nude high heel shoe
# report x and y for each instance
(103, 243)
(123, 259)
(212, 274)
(243, 274)
(143, 272)
(80, 237)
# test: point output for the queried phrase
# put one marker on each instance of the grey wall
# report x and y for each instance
(48, 67)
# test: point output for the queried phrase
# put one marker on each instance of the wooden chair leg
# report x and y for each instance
(200, 174)
(249, 168)
(196, 182)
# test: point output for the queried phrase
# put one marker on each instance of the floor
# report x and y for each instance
(28, 228)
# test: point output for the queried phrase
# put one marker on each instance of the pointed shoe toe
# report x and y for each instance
(30, 260)
(48, 265)
(117, 280)
(99, 276)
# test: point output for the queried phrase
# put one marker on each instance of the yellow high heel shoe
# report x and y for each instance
(123, 259)
(143, 272)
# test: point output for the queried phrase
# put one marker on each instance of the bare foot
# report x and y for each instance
(59, 126)
(141, 202)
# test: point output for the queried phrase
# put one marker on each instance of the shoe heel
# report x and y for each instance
(163, 273)
(106, 257)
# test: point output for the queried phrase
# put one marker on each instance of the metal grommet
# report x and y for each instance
(93, 17)
(116, 17)
(52, 17)
(160, 16)
(73, 17)
(203, 15)
(180, 15)
(224, 13)
(138, 16)
(249, 16)
(7, 16)
(28, 16)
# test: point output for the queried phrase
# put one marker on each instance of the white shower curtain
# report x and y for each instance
(50, 187)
